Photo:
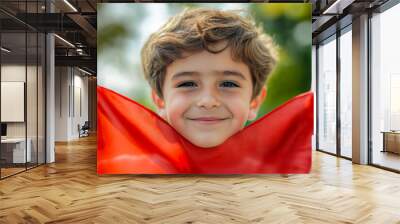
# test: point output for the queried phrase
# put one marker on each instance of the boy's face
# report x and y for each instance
(207, 97)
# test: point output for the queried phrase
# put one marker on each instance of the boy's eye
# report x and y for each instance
(188, 84)
(229, 84)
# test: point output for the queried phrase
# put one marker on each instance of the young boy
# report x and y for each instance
(207, 69)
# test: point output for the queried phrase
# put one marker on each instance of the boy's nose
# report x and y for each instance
(208, 101)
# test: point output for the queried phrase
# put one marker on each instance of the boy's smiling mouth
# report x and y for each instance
(207, 120)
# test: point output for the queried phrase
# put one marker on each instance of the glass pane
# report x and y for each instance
(13, 86)
(346, 94)
(327, 96)
(385, 86)
(31, 86)
(31, 100)
(41, 98)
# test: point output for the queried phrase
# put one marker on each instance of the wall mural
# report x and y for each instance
(204, 88)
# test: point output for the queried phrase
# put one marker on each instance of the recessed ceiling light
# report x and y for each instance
(84, 71)
(70, 5)
(337, 7)
(64, 40)
(5, 49)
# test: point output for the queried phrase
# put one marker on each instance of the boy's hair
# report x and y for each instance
(199, 29)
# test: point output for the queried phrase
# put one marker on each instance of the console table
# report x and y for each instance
(391, 141)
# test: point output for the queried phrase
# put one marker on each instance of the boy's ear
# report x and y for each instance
(256, 103)
(159, 103)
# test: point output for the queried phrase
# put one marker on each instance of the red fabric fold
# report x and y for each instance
(134, 140)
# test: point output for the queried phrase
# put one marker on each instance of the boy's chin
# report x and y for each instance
(206, 143)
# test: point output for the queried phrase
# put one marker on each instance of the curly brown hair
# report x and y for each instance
(194, 30)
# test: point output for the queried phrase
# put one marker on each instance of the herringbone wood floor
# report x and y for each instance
(70, 191)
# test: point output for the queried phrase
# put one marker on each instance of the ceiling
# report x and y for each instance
(76, 22)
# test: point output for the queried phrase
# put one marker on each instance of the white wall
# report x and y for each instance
(71, 94)
(12, 73)
(62, 81)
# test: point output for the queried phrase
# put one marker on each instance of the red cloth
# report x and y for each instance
(134, 140)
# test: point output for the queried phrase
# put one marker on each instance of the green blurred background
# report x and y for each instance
(124, 27)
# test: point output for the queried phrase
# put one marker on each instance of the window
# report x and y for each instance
(346, 93)
(385, 89)
(327, 96)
